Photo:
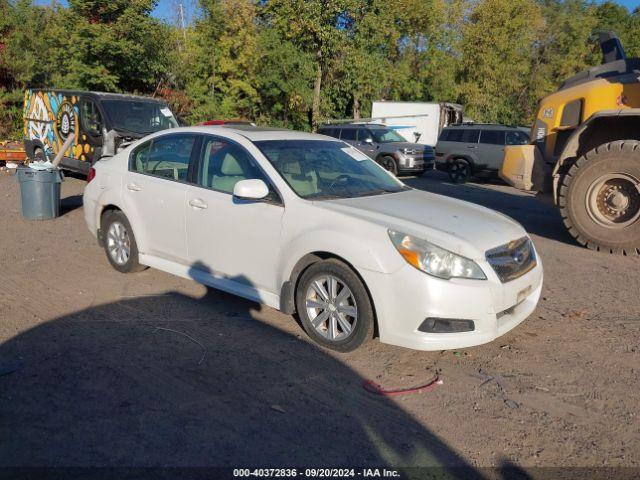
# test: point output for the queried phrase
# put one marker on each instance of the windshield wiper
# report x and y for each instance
(327, 196)
(381, 191)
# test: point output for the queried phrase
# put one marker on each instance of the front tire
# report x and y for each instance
(119, 242)
(334, 306)
(389, 164)
(600, 198)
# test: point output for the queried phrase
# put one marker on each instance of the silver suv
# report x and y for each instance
(471, 149)
(385, 146)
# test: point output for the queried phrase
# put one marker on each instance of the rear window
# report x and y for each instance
(492, 137)
(517, 138)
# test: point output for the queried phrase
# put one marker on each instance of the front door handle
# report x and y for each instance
(471, 146)
(134, 187)
(198, 203)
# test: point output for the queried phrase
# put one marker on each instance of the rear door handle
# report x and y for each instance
(471, 146)
(198, 203)
(134, 187)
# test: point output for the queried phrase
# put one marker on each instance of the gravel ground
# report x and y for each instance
(100, 368)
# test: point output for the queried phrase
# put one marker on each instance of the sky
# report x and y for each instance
(167, 9)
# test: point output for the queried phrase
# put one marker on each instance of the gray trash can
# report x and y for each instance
(40, 193)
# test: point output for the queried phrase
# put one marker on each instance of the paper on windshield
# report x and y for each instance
(355, 154)
(166, 112)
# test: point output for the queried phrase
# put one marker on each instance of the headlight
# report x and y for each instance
(434, 260)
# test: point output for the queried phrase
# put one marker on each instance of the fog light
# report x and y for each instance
(446, 325)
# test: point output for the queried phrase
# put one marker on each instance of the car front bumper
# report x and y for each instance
(416, 164)
(405, 299)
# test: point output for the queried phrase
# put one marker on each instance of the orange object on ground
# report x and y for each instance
(372, 387)
(12, 152)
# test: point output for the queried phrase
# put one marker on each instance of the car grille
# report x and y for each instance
(513, 259)
(427, 152)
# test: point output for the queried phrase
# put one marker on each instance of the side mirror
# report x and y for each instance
(368, 140)
(250, 189)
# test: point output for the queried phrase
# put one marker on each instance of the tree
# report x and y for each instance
(498, 48)
(316, 27)
(613, 17)
(113, 46)
(285, 77)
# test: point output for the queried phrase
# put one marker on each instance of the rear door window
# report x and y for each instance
(470, 136)
(168, 156)
(492, 137)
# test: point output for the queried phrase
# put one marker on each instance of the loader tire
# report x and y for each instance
(599, 198)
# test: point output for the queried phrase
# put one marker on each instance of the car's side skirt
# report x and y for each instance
(212, 280)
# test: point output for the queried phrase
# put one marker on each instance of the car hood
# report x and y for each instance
(461, 227)
(402, 145)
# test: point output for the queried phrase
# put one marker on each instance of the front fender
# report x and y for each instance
(602, 127)
(361, 255)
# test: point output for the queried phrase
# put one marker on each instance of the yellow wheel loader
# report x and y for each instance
(585, 152)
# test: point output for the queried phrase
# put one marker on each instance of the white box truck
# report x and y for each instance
(419, 122)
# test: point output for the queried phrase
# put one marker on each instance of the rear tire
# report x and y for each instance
(600, 198)
(339, 318)
(459, 170)
(119, 242)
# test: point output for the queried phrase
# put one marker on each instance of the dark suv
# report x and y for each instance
(470, 149)
(385, 146)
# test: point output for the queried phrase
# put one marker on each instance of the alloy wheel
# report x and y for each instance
(331, 308)
(458, 171)
(118, 243)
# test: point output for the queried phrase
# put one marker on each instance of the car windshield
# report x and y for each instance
(386, 135)
(319, 169)
(139, 117)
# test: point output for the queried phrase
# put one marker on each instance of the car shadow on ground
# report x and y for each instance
(70, 203)
(172, 380)
(536, 217)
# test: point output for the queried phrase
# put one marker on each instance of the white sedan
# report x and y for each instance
(309, 225)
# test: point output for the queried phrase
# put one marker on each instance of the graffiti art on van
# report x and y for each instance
(49, 119)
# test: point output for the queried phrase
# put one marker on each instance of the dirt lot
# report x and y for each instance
(95, 368)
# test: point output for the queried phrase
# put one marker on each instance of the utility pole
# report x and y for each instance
(182, 22)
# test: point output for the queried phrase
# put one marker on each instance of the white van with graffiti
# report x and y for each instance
(50, 116)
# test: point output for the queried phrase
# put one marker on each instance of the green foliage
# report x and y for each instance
(294, 63)
(11, 114)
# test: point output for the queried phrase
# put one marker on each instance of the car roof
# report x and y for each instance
(102, 95)
(483, 126)
(251, 132)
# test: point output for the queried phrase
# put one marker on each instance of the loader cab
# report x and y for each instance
(585, 153)
(613, 85)
(51, 116)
